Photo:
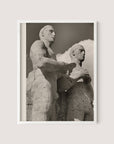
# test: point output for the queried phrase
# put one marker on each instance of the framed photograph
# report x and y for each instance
(57, 71)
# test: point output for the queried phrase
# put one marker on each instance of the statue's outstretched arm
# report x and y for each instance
(39, 59)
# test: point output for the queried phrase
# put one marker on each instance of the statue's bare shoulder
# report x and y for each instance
(37, 51)
(38, 47)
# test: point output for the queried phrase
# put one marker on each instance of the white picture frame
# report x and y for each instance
(21, 72)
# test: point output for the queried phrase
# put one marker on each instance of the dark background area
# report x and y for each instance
(67, 34)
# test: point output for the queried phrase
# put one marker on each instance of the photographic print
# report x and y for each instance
(58, 71)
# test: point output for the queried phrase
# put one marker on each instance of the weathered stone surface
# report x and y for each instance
(79, 101)
(41, 98)
(79, 96)
(62, 107)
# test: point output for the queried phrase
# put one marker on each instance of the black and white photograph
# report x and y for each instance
(58, 79)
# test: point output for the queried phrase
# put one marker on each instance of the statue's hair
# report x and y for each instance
(73, 48)
(42, 31)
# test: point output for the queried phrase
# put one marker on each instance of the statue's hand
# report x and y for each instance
(87, 79)
(85, 75)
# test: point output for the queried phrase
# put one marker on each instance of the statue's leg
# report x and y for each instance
(53, 111)
(75, 115)
(61, 107)
(75, 110)
(89, 116)
(42, 104)
(78, 115)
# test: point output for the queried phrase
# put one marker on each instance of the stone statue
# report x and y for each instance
(80, 96)
(42, 81)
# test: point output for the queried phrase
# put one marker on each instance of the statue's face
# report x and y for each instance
(49, 34)
(79, 53)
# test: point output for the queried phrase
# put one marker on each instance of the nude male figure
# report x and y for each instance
(80, 96)
(42, 81)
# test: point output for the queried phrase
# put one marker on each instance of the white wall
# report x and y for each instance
(101, 11)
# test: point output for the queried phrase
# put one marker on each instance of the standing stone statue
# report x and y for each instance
(80, 96)
(42, 81)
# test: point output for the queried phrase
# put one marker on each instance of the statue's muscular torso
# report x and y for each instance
(44, 85)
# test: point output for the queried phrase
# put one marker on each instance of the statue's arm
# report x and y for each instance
(39, 59)
(65, 82)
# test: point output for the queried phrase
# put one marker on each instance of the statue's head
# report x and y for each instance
(47, 33)
(77, 52)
